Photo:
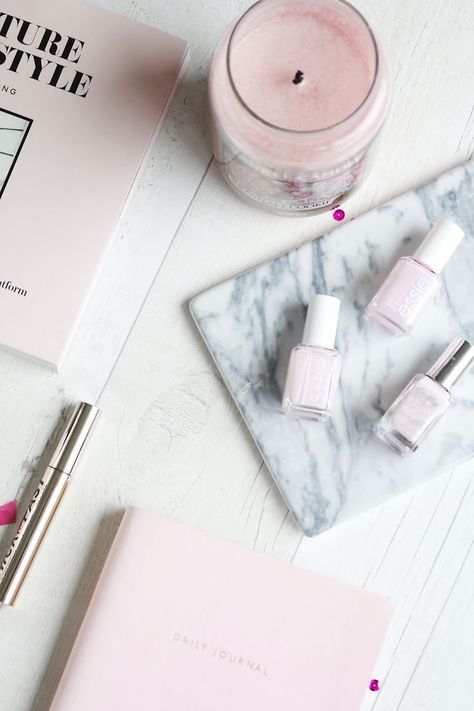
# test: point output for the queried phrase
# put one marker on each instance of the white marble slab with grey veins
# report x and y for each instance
(328, 472)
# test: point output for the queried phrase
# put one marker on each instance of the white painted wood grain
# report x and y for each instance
(171, 440)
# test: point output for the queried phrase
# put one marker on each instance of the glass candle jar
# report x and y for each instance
(298, 92)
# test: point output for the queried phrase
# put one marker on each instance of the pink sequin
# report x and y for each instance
(339, 215)
(8, 513)
(374, 685)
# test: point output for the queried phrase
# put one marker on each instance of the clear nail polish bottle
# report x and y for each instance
(424, 400)
(414, 280)
(314, 367)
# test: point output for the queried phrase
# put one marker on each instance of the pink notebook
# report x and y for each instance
(182, 621)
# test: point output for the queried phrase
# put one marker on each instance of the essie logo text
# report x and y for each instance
(318, 384)
(412, 299)
(219, 654)
(8, 286)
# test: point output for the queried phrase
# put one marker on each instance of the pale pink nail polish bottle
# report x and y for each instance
(424, 400)
(314, 367)
(414, 280)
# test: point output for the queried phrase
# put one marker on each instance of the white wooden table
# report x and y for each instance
(171, 440)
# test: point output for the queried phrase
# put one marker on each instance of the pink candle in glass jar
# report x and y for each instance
(298, 92)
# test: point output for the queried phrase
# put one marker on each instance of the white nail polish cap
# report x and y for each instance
(439, 245)
(321, 321)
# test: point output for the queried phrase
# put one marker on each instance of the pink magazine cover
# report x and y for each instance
(181, 620)
(82, 93)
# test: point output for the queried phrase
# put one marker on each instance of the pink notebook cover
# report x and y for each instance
(183, 621)
(82, 93)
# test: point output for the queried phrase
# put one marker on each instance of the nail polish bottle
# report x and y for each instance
(424, 400)
(414, 280)
(314, 367)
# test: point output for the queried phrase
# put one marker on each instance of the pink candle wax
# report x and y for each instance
(298, 92)
(266, 60)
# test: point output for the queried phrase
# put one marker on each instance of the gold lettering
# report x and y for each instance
(220, 653)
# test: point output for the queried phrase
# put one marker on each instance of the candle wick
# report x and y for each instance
(298, 78)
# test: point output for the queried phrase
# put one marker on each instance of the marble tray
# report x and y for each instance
(328, 472)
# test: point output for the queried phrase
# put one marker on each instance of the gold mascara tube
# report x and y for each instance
(45, 501)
